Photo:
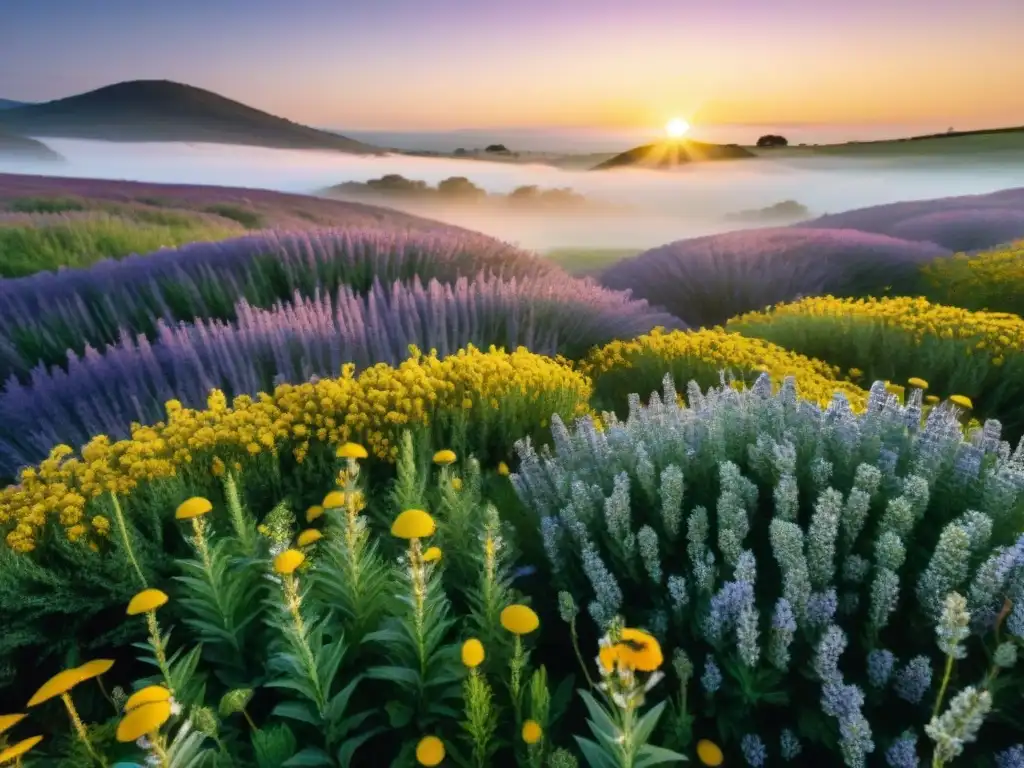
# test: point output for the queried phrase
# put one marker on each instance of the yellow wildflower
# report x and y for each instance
(286, 562)
(194, 507)
(413, 524)
(457, 483)
(9, 721)
(503, 469)
(432, 554)
(95, 668)
(351, 451)
(962, 400)
(519, 619)
(146, 601)
(308, 537)
(444, 457)
(918, 383)
(532, 732)
(148, 695)
(334, 500)
(17, 750)
(635, 650)
(143, 720)
(709, 753)
(314, 512)
(59, 684)
(472, 653)
(430, 751)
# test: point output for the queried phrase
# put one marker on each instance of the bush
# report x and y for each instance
(292, 343)
(43, 316)
(707, 280)
(964, 229)
(478, 402)
(991, 281)
(837, 567)
(640, 365)
(957, 352)
(31, 243)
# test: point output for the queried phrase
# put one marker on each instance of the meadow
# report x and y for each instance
(294, 482)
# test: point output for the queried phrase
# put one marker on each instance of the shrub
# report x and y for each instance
(43, 316)
(964, 229)
(294, 342)
(640, 365)
(976, 354)
(991, 281)
(707, 280)
(31, 243)
(478, 401)
(820, 573)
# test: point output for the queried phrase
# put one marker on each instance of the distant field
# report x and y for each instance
(966, 144)
(588, 261)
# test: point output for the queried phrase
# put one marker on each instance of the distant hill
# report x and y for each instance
(161, 110)
(669, 154)
(15, 147)
(8, 104)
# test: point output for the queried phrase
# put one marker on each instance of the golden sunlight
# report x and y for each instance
(676, 127)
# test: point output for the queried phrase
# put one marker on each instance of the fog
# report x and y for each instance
(655, 207)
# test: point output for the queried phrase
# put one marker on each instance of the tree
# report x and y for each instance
(771, 140)
(496, 148)
(460, 186)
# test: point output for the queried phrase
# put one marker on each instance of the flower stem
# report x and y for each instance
(122, 527)
(945, 683)
(156, 744)
(245, 714)
(579, 655)
(106, 695)
(158, 648)
(83, 734)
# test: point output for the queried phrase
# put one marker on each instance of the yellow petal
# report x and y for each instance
(60, 683)
(709, 753)
(532, 732)
(413, 524)
(351, 451)
(143, 720)
(288, 561)
(519, 619)
(148, 695)
(95, 668)
(19, 749)
(147, 600)
(444, 457)
(432, 554)
(9, 721)
(309, 536)
(194, 507)
(314, 512)
(472, 653)
(429, 751)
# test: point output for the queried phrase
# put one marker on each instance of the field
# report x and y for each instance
(294, 482)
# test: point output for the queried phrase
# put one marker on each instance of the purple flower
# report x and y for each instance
(902, 753)
(1011, 758)
(880, 664)
(914, 680)
(754, 751)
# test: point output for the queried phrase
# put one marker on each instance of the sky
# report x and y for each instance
(427, 65)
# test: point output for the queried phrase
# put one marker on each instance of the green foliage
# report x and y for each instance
(248, 218)
(55, 204)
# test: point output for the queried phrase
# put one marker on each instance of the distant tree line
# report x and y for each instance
(459, 188)
(771, 140)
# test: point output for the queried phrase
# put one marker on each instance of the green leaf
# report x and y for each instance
(645, 726)
(594, 755)
(650, 755)
(399, 714)
(400, 675)
(297, 710)
(349, 748)
(336, 707)
(308, 756)
(602, 722)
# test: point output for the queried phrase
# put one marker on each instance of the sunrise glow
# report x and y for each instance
(676, 128)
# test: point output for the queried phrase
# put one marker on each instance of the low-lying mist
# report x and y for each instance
(651, 207)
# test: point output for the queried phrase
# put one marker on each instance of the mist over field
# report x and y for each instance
(650, 207)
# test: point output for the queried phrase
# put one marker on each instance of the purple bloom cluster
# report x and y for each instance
(46, 314)
(103, 392)
(707, 280)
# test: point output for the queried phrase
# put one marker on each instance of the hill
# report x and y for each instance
(669, 154)
(161, 110)
(15, 147)
(8, 104)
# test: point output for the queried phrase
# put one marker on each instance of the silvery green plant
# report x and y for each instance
(827, 571)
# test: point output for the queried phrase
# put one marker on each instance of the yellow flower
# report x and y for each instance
(217, 467)
(519, 619)
(503, 469)
(472, 653)
(931, 399)
(639, 650)
(194, 507)
(351, 451)
(288, 561)
(60, 683)
(429, 751)
(19, 749)
(95, 668)
(334, 500)
(309, 536)
(9, 721)
(314, 512)
(413, 524)
(432, 554)
(532, 732)
(147, 600)
(919, 383)
(962, 400)
(444, 457)
(143, 720)
(457, 483)
(709, 753)
(148, 695)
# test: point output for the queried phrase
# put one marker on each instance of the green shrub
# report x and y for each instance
(247, 218)
(818, 574)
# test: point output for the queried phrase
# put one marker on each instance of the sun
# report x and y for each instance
(676, 127)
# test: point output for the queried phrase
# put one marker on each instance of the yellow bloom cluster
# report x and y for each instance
(995, 334)
(495, 386)
(702, 354)
(992, 280)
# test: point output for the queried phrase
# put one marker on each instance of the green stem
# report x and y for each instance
(106, 695)
(83, 734)
(126, 539)
(294, 603)
(158, 648)
(945, 683)
(579, 655)
(248, 719)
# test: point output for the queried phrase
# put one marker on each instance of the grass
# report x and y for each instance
(51, 243)
(588, 261)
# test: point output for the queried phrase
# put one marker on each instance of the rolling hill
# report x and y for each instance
(8, 104)
(15, 147)
(669, 154)
(161, 110)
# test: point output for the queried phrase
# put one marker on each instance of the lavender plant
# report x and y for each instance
(102, 393)
(838, 578)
